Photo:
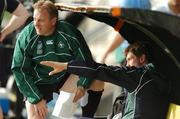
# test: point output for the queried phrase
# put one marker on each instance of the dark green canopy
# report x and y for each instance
(159, 29)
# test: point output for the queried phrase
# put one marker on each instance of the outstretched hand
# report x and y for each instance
(57, 66)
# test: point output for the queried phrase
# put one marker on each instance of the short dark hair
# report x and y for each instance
(48, 5)
(139, 48)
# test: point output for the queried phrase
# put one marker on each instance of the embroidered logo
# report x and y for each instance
(49, 42)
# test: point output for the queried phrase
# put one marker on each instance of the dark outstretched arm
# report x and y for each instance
(121, 76)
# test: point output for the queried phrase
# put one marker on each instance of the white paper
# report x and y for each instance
(84, 100)
(64, 107)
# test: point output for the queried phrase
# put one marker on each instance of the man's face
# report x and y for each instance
(132, 60)
(175, 2)
(43, 23)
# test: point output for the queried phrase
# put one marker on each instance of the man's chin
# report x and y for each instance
(39, 33)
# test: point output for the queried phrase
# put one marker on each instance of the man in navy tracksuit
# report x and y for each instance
(147, 90)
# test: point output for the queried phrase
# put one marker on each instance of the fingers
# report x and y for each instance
(54, 65)
(76, 98)
(41, 109)
(51, 64)
(42, 112)
(80, 92)
(57, 66)
(53, 72)
(48, 63)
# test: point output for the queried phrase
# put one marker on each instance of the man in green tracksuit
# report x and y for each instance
(46, 38)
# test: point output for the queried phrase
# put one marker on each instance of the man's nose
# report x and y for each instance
(36, 22)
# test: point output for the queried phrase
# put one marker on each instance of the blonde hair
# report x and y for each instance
(47, 5)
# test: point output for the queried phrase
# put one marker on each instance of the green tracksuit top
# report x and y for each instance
(65, 44)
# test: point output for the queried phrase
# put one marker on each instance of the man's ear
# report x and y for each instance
(143, 59)
(54, 21)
